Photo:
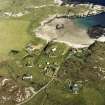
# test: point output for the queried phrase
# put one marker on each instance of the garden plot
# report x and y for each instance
(51, 58)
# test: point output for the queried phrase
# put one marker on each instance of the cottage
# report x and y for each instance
(27, 77)
(54, 49)
(75, 89)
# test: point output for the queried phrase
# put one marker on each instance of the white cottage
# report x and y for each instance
(27, 77)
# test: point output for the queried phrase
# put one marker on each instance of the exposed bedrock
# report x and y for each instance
(96, 31)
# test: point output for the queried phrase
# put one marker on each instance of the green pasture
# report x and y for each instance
(13, 35)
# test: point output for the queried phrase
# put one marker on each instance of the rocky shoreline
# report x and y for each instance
(91, 8)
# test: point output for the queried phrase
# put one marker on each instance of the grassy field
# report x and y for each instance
(13, 35)
(5, 4)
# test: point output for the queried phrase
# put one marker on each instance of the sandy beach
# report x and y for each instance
(70, 34)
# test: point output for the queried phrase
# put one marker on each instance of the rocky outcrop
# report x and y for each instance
(87, 9)
(12, 92)
(91, 9)
(11, 14)
(96, 31)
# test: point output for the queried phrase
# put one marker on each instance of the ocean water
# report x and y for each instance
(87, 22)
(101, 2)
(90, 21)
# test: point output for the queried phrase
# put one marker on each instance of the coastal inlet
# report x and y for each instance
(77, 32)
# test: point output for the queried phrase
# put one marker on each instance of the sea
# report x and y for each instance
(90, 21)
(100, 2)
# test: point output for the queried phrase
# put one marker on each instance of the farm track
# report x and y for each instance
(35, 93)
